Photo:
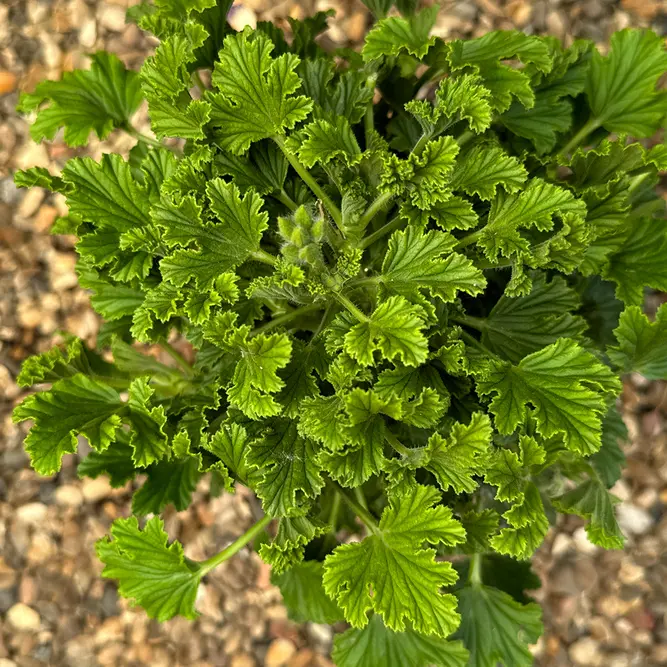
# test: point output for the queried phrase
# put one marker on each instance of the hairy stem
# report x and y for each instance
(287, 317)
(588, 127)
(344, 301)
(392, 225)
(140, 136)
(478, 323)
(360, 511)
(286, 200)
(234, 547)
(379, 204)
(307, 178)
(396, 443)
(177, 357)
(264, 257)
(468, 240)
(465, 137)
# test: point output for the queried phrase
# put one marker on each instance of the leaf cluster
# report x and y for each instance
(406, 282)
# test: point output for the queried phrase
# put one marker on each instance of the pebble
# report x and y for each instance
(586, 652)
(69, 496)
(279, 653)
(658, 654)
(8, 82)
(23, 618)
(31, 514)
(583, 544)
(562, 544)
(88, 33)
(95, 490)
(112, 17)
(242, 16)
(630, 573)
(243, 660)
(5, 662)
(633, 520)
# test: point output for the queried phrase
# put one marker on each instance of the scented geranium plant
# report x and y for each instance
(405, 283)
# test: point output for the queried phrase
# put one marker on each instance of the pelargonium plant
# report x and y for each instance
(404, 282)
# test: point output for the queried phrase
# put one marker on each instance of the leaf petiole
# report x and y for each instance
(475, 571)
(177, 357)
(344, 301)
(362, 513)
(286, 317)
(588, 127)
(207, 565)
(392, 225)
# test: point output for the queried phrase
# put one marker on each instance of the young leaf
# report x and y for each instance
(404, 578)
(256, 98)
(156, 576)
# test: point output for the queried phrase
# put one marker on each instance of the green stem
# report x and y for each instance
(475, 322)
(588, 127)
(199, 82)
(475, 343)
(392, 225)
(344, 301)
(465, 137)
(140, 136)
(281, 319)
(468, 240)
(234, 547)
(475, 571)
(286, 200)
(362, 513)
(177, 357)
(636, 181)
(264, 257)
(419, 146)
(307, 178)
(369, 121)
(376, 206)
(396, 443)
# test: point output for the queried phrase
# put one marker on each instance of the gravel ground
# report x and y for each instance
(602, 609)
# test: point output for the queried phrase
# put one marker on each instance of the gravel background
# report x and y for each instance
(602, 609)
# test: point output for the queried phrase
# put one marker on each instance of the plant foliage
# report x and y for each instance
(408, 281)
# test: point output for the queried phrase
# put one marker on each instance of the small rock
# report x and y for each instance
(520, 12)
(633, 520)
(31, 514)
(600, 629)
(562, 544)
(630, 573)
(582, 543)
(112, 17)
(618, 660)
(241, 16)
(303, 658)
(243, 660)
(322, 634)
(279, 653)
(5, 662)
(110, 631)
(69, 496)
(88, 33)
(44, 218)
(355, 26)
(31, 155)
(658, 655)
(556, 24)
(647, 499)
(95, 490)
(7, 82)
(585, 652)
(23, 618)
(30, 202)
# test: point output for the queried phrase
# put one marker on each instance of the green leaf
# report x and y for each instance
(288, 547)
(255, 100)
(638, 263)
(168, 121)
(642, 345)
(395, 328)
(222, 245)
(290, 472)
(592, 501)
(404, 578)
(514, 626)
(567, 388)
(327, 141)
(540, 124)
(168, 482)
(610, 460)
(482, 169)
(150, 573)
(457, 459)
(231, 444)
(74, 405)
(147, 438)
(38, 177)
(115, 461)
(303, 593)
(377, 646)
(414, 262)
(105, 193)
(392, 36)
(255, 377)
(535, 207)
(99, 99)
(621, 87)
(518, 327)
